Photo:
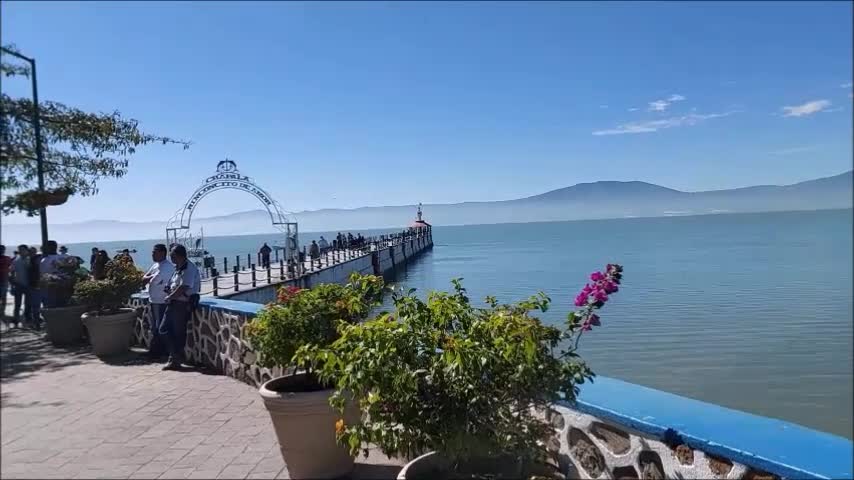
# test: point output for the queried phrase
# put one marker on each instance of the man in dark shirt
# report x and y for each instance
(5, 264)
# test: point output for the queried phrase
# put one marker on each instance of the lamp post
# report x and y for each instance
(37, 127)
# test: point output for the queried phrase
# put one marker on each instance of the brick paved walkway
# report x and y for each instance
(67, 414)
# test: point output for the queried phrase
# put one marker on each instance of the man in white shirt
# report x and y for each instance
(184, 284)
(157, 278)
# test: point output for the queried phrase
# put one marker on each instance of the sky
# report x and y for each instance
(342, 105)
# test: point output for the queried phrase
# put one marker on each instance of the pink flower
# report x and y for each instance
(597, 276)
(609, 287)
(600, 296)
(581, 299)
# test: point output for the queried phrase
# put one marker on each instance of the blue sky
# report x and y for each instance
(352, 104)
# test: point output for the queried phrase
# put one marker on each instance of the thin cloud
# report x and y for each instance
(603, 106)
(661, 105)
(847, 85)
(633, 109)
(808, 108)
(656, 125)
(790, 151)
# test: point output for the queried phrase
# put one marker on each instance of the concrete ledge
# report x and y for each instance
(775, 446)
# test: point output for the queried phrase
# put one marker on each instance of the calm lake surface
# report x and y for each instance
(749, 311)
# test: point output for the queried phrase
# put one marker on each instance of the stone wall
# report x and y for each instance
(214, 338)
(614, 430)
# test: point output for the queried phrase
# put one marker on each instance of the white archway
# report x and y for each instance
(227, 177)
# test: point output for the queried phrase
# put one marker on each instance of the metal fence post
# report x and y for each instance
(236, 278)
(249, 259)
(269, 275)
(225, 264)
(276, 251)
(281, 269)
(237, 261)
(215, 286)
(253, 276)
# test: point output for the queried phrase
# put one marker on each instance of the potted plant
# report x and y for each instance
(110, 324)
(298, 402)
(62, 312)
(468, 387)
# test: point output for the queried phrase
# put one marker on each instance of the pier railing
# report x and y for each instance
(247, 273)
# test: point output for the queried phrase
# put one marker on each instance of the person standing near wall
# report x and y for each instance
(183, 285)
(20, 282)
(5, 267)
(35, 297)
(93, 258)
(157, 278)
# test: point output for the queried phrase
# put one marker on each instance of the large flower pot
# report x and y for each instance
(63, 324)
(110, 334)
(433, 465)
(305, 427)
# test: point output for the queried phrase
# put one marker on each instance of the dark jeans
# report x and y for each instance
(4, 288)
(156, 318)
(174, 329)
(22, 295)
(35, 303)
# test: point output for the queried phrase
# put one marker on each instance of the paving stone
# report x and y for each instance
(67, 414)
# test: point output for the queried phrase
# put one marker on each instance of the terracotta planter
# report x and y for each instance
(433, 465)
(110, 334)
(63, 324)
(305, 427)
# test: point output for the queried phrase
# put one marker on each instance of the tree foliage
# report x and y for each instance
(79, 148)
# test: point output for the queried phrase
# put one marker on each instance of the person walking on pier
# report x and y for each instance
(183, 285)
(265, 255)
(314, 250)
(157, 278)
(323, 244)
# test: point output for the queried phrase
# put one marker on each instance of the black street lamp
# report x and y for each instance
(38, 132)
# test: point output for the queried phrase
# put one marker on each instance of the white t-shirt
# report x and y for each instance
(322, 243)
(160, 274)
(188, 276)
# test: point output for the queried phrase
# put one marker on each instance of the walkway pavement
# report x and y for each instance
(68, 414)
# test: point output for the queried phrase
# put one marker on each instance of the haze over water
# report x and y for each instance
(748, 311)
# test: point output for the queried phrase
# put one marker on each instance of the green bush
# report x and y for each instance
(310, 317)
(121, 280)
(467, 382)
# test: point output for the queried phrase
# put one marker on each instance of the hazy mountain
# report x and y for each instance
(606, 199)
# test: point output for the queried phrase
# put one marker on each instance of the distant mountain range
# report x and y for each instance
(605, 199)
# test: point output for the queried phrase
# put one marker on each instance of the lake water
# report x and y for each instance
(749, 311)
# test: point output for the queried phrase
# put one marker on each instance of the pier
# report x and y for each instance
(379, 256)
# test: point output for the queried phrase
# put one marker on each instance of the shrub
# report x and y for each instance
(467, 382)
(310, 317)
(121, 280)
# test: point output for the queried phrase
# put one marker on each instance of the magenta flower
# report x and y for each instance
(600, 296)
(597, 276)
(609, 287)
(581, 300)
(594, 320)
